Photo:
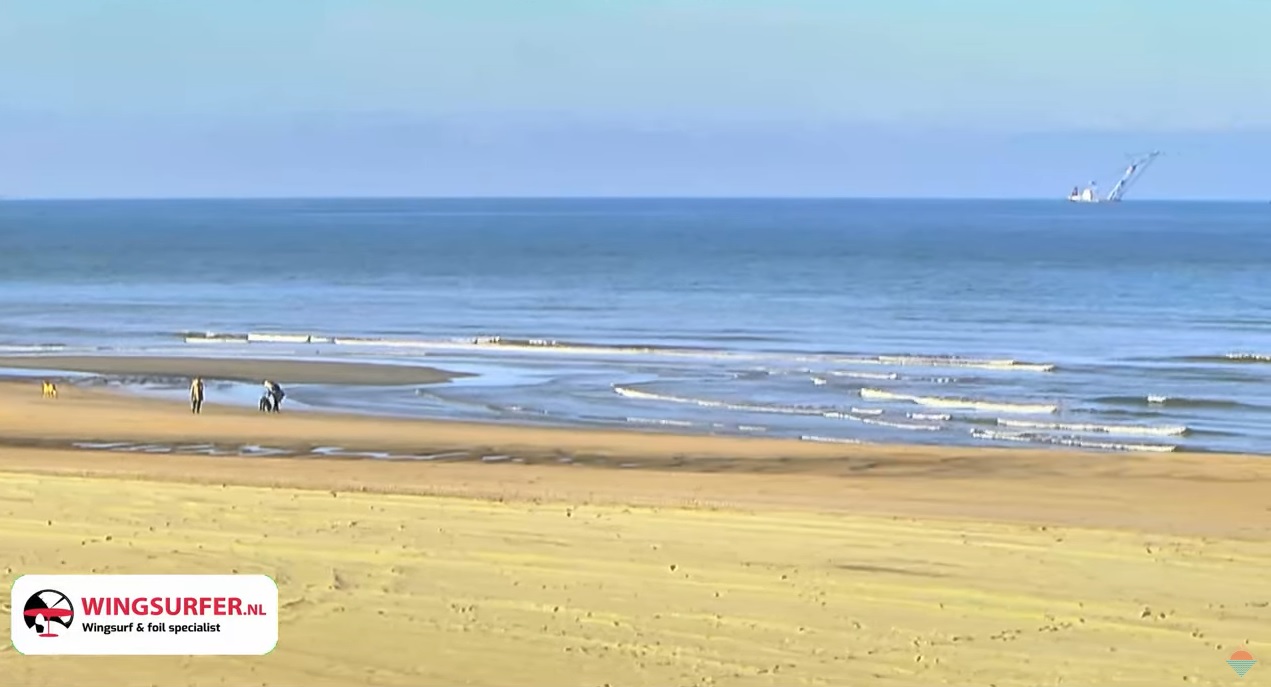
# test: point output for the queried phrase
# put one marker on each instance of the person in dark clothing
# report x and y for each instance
(275, 394)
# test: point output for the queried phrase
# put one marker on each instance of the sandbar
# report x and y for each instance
(238, 369)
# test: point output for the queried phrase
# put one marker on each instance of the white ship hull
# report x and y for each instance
(1086, 196)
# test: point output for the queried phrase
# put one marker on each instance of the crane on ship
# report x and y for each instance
(1134, 172)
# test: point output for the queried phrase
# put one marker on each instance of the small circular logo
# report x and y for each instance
(46, 609)
(1241, 661)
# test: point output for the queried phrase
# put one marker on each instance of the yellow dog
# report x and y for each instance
(49, 389)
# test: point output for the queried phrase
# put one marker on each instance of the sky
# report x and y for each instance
(878, 98)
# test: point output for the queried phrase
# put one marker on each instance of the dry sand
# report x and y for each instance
(713, 562)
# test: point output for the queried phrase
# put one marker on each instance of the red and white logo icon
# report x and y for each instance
(49, 612)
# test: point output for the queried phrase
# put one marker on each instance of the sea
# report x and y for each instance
(1141, 326)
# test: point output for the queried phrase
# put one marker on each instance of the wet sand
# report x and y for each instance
(705, 561)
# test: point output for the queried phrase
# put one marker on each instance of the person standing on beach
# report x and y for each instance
(196, 395)
(275, 394)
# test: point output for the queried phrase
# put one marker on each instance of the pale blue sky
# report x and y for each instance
(611, 97)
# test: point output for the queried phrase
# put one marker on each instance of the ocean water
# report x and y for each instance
(1143, 326)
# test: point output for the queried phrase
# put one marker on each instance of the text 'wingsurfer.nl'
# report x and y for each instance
(145, 615)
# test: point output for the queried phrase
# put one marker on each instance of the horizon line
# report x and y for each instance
(1057, 199)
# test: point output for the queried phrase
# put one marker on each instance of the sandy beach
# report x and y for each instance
(568, 557)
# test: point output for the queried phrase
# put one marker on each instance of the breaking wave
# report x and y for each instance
(286, 338)
(829, 440)
(1154, 400)
(962, 403)
(1229, 358)
(1249, 357)
(710, 403)
(880, 376)
(656, 421)
(883, 423)
(955, 361)
(1124, 430)
(8, 349)
(1074, 442)
(557, 346)
(944, 417)
(782, 410)
(213, 337)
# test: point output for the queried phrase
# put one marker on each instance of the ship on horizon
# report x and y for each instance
(1133, 173)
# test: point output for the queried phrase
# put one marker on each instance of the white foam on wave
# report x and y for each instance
(141, 448)
(1024, 437)
(31, 348)
(819, 381)
(883, 423)
(261, 337)
(1249, 357)
(864, 375)
(204, 450)
(962, 403)
(855, 415)
(955, 361)
(709, 403)
(339, 452)
(1125, 430)
(554, 346)
(828, 440)
(536, 345)
(942, 417)
(256, 450)
(1184, 401)
(199, 340)
(215, 337)
(656, 421)
(388, 343)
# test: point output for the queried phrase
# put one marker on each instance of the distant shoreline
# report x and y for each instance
(559, 198)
